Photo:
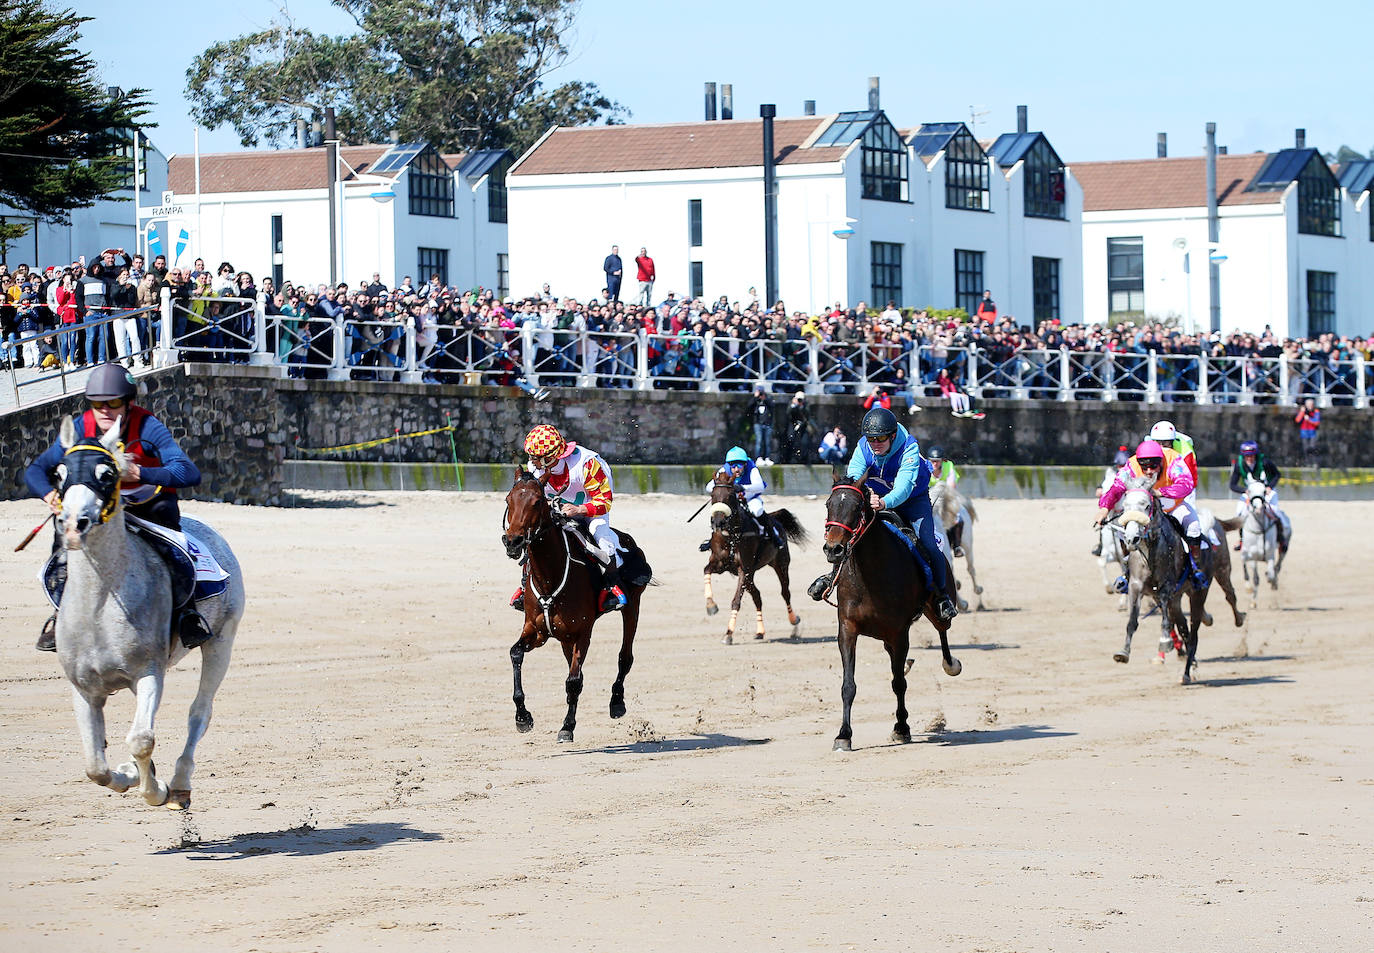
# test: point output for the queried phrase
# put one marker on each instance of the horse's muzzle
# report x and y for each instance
(513, 544)
(834, 552)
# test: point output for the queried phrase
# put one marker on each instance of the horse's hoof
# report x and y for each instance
(1185, 679)
(728, 640)
(524, 723)
(794, 620)
(978, 590)
(1240, 619)
(617, 709)
(843, 744)
(953, 667)
(758, 636)
(1121, 657)
(565, 735)
(1207, 618)
(712, 608)
(178, 800)
(900, 737)
(909, 662)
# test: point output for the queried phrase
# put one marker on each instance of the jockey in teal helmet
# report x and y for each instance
(749, 479)
(897, 478)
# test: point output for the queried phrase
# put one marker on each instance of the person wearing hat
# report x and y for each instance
(800, 428)
(943, 470)
(579, 482)
(748, 479)
(156, 467)
(1173, 485)
(1122, 457)
(1252, 465)
(896, 477)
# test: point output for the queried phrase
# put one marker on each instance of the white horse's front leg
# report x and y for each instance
(214, 663)
(90, 724)
(148, 695)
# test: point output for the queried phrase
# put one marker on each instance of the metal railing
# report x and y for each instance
(238, 330)
(48, 364)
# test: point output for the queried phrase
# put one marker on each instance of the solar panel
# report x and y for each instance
(934, 136)
(1011, 147)
(479, 163)
(1358, 176)
(846, 127)
(398, 158)
(1280, 169)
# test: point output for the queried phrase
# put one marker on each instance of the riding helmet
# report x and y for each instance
(1249, 447)
(879, 422)
(934, 454)
(1164, 431)
(109, 381)
(736, 455)
(1149, 450)
(545, 439)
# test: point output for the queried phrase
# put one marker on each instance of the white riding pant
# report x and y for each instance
(755, 505)
(1184, 513)
(606, 538)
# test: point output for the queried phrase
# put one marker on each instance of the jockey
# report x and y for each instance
(1167, 436)
(1252, 465)
(582, 481)
(1118, 461)
(748, 478)
(1173, 486)
(891, 459)
(156, 466)
(944, 470)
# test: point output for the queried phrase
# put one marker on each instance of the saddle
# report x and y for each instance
(634, 566)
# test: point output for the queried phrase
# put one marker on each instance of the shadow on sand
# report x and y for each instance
(307, 500)
(304, 841)
(1248, 658)
(1255, 680)
(997, 735)
(671, 745)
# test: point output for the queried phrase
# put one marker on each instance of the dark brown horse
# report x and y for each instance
(737, 547)
(879, 592)
(562, 591)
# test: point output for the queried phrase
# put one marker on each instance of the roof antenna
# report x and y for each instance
(975, 116)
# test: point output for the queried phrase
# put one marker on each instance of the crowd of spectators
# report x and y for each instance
(462, 332)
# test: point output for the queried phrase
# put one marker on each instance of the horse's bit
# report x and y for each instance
(855, 534)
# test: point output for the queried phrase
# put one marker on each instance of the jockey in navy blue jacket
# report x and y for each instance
(898, 479)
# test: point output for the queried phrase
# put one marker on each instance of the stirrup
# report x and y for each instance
(704, 547)
(517, 600)
(1121, 584)
(47, 639)
(612, 599)
(193, 629)
(946, 608)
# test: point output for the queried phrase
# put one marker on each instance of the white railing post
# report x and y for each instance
(1285, 399)
(1108, 376)
(708, 365)
(410, 374)
(1065, 375)
(642, 381)
(338, 368)
(260, 357)
(527, 354)
(1361, 369)
(1152, 378)
(972, 383)
(166, 353)
(1202, 394)
(589, 348)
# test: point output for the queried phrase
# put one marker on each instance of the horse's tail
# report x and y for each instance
(791, 526)
(972, 513)
(1230, 524)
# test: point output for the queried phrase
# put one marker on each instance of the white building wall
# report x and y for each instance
(878, 221)
(814, 264)
(478, 240)
(1350, 257)
(940, 230)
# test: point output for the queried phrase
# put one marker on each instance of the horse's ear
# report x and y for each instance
(520, 473)
(110, 438)
(66, 434)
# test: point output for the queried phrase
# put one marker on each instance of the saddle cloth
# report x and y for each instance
(634, 565)
(892, 527)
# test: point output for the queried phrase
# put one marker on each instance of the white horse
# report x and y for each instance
(1112, 561)
(114, 623)
(950, 508)
(1260, 540)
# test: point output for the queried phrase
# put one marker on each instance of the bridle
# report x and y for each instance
(522, 544)
(1262, 513)
(856, 533)
(111, 495)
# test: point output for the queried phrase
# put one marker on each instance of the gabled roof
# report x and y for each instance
(932, 137)
(1281, 168)
(727, 143)
(846, 127)
(1358, 176)
(1011, 147)
(1169, 183)
(477, 164)
(266, 170)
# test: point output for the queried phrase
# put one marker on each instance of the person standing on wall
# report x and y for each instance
(1308, 419)
(645, 275)
(614, 269)
(987, 308)
(761, 412)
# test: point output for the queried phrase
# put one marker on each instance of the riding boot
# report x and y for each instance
(517, 600)
(1097, 547)
(47, 639)
(944, 605)
(705, 547)
(1282, 538)
(956, 539)
(612, 596)
(191, 626)
(822, 584)
(1240, 538)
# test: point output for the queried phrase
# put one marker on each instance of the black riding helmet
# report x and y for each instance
(935, 454)
(879, 422)
(109, 381)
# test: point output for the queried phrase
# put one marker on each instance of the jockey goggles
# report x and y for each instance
(1150, 463)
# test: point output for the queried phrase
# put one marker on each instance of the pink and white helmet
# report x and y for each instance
(1164, 431)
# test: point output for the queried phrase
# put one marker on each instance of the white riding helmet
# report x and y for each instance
(1164, 430)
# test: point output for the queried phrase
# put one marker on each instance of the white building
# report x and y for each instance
(1295, 248)
(110, 223)
(401, 209)
(862, 215)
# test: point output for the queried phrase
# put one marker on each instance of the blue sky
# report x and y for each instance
(1100, 79)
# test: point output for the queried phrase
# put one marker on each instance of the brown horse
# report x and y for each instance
(879, 592)
(737, 547)
(562, 589)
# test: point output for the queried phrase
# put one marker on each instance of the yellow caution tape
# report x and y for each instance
(1357, 480)
(373, 443)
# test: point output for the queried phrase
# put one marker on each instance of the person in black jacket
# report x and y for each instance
(1252, 465)
(800, 429)
(761, 413)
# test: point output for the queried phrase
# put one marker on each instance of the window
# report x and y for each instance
(1321, 302)
(496, 190)
(1319, 201)
(124, 160)
(1045, 287)
(276, 251)
(887, 274)
(968, 279)
(432, 261)
(502, 275)
(1126, 275)
(884, 163)
(1044, 189)
(694, 222)
(698, 281)
(966, 174)
(431, 185)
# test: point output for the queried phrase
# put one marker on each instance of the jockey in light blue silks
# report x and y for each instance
(749, 479)
(898, 479)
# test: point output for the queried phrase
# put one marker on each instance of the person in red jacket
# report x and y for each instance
(645, 276)
(987, 308)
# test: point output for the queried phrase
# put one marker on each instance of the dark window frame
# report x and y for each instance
(698, 280)
(1045, 288)
(968, 279)
(432, 261)
(1045, 182)
(1126, 272)
(884, 175)
(1321, 302)
(967, 181)
(498, 202)
(124, 160)
(431, 186)
(502, 275)
(1319, 200)
(694, 226)
(885, 273)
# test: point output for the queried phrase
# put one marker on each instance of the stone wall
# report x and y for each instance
(240, 423)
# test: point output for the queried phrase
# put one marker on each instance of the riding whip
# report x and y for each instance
(689, 519)
(34, 532)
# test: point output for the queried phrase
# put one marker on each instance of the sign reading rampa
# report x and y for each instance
(169, 210)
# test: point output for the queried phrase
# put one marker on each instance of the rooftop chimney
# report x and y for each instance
(808, 107)
(301, 141)
(1162, 146)
(1300, 138)
(1021, 125)
(727, 101)
(1221, 150)
(710, 102)
(873, 93)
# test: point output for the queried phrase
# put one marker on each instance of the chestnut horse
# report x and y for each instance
(879, 592)
(737, 547)
(561, 595)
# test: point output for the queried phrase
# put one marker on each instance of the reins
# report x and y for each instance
(546, 601)
(856, 533)
(112, 501)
